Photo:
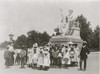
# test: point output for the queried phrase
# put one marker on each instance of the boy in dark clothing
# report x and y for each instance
(51, 56)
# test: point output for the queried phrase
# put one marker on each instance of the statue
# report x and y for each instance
(68, 25)
(65, 21)
(69, 30)
(75, 30)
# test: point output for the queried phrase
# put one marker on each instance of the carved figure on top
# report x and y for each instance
(68, 25)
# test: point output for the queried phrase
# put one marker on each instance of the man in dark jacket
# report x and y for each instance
(83, 55)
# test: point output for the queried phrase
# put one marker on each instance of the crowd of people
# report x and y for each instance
(45, 57)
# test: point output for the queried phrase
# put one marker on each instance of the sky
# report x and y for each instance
(20, 16)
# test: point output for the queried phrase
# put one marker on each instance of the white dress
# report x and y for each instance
(40, 59)
(34, 58)
(77, 51)
(11, 49)
(17, 51)
(30, 54)
(46, 61)
(67, 55)
(37, 50)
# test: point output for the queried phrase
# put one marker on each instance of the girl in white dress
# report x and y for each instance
(46, 60)
(40, 60)
(66, 58)
(30, 54)
(34, 59)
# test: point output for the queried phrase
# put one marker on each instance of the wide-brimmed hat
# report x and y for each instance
(70, 42)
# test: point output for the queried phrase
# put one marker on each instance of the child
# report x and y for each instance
(55, 58)
(66, 58)
(46, 60)
(23, 56)
(77, 52)
(17, 60)
(30, 54)
(72, 53)
(40, 60)
(34, 59)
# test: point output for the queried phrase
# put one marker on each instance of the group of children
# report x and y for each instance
(44, 57)
(38, 58)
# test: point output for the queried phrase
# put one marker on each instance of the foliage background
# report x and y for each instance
(86, 33)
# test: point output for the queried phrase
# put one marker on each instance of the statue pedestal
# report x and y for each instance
(63, 40)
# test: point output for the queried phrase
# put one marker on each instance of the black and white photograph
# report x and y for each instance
(49, 36)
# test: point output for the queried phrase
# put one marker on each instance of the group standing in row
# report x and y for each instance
(47, 56)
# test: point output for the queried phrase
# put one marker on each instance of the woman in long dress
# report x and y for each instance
(11, 49)
(7, 57)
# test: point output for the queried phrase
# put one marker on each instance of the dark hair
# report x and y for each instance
(72, 49)
(66, 46)
(62, 45)
(75, 45)
(66, 50)
(40, 51)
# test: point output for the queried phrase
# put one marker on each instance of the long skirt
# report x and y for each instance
(7, 62)
(40, 61)
(29, 58)
(12, 61)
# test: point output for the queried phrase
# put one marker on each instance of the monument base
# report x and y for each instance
(63, 40)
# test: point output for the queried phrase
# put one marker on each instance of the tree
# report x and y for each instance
(32, 38)
(37, 37)
(95, 41)
(4, 44)
(85, 29)
(45, 38)
(21, 40)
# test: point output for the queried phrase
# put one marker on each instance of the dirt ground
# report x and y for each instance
(92, 67)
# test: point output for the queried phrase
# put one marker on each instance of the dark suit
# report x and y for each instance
(83, 56)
